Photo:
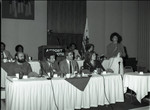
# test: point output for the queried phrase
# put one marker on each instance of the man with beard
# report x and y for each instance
(20, 65)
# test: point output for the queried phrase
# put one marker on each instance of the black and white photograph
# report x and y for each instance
(18, 9)
(75, 54)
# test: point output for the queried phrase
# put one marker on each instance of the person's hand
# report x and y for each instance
(119, 54)
(115, 49)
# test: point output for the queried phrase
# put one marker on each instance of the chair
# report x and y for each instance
(35, 65)
(128, 69)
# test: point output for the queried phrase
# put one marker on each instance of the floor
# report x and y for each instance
(126, 105)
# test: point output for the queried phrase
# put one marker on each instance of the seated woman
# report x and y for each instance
(91, 63)
(89, 48)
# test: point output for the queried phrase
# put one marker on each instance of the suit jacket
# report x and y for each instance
(64, 67)
(47, 68)
(8, 55)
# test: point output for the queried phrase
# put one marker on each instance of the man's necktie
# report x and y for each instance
(70, 67)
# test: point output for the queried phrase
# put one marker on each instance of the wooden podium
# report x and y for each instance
(59, 50)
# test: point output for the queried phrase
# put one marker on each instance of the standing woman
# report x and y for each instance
(115, 46)
(115, 52)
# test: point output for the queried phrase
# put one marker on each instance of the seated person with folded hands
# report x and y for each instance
(50, 65)
(20, 65)
(68, 65)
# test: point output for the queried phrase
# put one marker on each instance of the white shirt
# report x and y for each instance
(68, 62)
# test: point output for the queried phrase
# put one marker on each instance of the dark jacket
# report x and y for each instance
(89, 66)
(45, 68)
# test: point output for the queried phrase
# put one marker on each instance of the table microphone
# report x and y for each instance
(89, 66)
(42, 69)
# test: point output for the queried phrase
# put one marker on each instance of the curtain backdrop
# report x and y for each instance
(144, 34)
(66, 16)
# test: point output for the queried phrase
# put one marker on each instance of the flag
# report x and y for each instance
(85, 40)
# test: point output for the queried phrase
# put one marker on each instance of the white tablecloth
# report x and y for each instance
(140, 84)
(38, 95)
(35, 65)
(113, 63)
(3, 77)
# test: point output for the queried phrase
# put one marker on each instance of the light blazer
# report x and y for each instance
(64, 66)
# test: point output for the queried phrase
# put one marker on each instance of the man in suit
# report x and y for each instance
(50, 64)
(68, 65)
(4, 53)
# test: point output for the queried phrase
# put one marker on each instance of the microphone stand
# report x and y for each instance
(42, 69)
(119, 68)
(89, 66)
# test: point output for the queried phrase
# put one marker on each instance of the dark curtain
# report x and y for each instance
(66, 16)
(143, 46)
(64, 39)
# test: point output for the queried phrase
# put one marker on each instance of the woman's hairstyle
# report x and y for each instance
(117, 35)
(17, 48)
(89, 57)
(88, 46)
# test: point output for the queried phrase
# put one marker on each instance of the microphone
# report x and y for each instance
(89, 66)
(42, 69)
(81, 68)
(58, 41)
(119, 67)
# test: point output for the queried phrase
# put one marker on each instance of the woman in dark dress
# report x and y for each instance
(91, 63)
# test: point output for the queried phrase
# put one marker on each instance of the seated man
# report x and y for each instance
(68, 65)
(20, 48)
(50, 64)
(20, 65)
(4, 53)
